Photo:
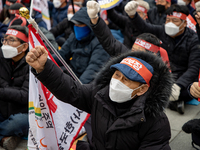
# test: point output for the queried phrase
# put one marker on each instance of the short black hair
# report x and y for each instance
(18, 22)
(150, 38)
(178, 8)
(20, 28)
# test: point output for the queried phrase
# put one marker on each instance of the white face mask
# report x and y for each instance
(69, 16)
(9, 51)
(57, 3)
(119, 92)
(171, 29)
(181, 2)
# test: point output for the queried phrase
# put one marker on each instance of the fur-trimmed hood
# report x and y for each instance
(161, 82)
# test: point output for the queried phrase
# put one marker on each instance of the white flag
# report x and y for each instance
(53, 124)
(42, 7)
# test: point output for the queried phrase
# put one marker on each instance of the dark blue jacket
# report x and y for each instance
(58, 14)
(85, 57)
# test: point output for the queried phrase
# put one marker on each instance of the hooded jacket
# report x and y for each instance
(142, 126)
(87, 55)
(14, 86)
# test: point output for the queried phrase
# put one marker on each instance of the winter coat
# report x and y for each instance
(63, 26)
(14, 86)
(184, 56)
(129, 32)
(155, 17)
(86, 56)
(141, 126)
(113, 46)
(58, 14)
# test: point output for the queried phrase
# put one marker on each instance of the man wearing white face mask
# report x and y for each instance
(59, 12)
(126, 101)
(14, 81)
(181, 44)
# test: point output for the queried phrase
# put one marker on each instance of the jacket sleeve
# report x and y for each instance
(193, 64)
(145, 27)
(117, 18)
(156, 136)
(16, 94)
(65, 51)
(65, 88)
(98, 57)
(112, 46)
(60, 27)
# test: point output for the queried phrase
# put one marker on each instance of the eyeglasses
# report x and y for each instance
(8, 41)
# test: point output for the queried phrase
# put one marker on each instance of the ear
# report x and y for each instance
(185, 23)
(25, 47)
(143, 89)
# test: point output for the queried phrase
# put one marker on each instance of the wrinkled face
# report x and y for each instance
(142, 14)
(131, 84)
(177, 22)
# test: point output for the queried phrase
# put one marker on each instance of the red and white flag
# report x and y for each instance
(191, 23)
(53, 124)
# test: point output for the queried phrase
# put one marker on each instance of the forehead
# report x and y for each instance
(172, 17)
(10, 36)
(138, 47)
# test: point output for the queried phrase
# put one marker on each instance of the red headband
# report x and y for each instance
(138, 67)
(143, 9)
(17, 34)
(178, 15)
(147, 45)
(13, 12)
(17, 16)
(10, 3)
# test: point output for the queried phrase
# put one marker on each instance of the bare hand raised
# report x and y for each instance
(37, 58)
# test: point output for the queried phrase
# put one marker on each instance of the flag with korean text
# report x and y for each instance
(42, 7)
(53, 124)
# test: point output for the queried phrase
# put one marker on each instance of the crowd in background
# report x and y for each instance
(87, 38)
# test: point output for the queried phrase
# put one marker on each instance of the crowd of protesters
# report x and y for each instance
(134, 60)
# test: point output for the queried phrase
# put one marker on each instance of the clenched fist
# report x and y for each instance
(131, 8)
(195, 90)
(37, 58)
(92, 9)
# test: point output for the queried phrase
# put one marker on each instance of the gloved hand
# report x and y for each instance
(197, 6)
(92, 9)
(131, 8)
(175, 92)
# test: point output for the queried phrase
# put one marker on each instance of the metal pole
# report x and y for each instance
(24, 12)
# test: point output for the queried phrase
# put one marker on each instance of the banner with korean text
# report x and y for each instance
(53, 124)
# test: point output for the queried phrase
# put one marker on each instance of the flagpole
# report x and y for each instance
(24, 12)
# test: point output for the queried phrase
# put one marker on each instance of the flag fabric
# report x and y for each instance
(108, 4)
(53, 124)
(42, 7)
(191, 23)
